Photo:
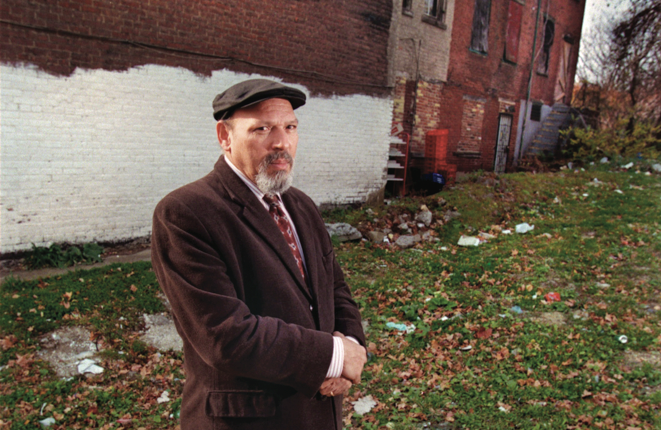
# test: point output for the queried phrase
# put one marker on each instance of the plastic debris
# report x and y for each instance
(628, 166)
(623, 339)
(468, 241)
(165, 397)
(604, 160)
(516, 309)
(603, 285)
(619, 191)
(552, 297)
(557, 200)
(89, 366)
(408, 328)
(444, 318)
(364, 405)
(502, 409)
(524, 228)
(466, 348)
(485, 236)
(547, 235)
(508, 231)
(47, 422)
(444, 248)
(656, 167)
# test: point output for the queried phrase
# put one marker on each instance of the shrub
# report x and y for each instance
(589, 143)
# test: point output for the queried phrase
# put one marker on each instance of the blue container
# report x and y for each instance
(435, 178)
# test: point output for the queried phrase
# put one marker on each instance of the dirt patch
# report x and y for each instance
(639, 358)
(161, 333)
(63, 349)
(550, 318)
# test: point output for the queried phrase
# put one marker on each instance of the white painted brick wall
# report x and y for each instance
(86, 158)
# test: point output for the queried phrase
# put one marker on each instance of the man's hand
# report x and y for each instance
(335, 387)
(355, 357)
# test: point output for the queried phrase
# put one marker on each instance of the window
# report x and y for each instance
(480, 33)
(536, 112)
(545, 53)
(513, 31)
(434, 12)
(406, 7)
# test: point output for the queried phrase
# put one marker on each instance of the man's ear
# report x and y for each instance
(223, 133)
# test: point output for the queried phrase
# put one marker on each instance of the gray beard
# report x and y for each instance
(277, 183)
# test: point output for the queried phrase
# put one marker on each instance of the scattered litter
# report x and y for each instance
(468, 241)
(557, 201)
(619, 191)
(41, 411)
(364, 405)
(516, 309)
(586, 195)
(89, 366)
(628, 166)
(408, 328)
(444, 318)
(508, 231)
(444, 248)
(502, 409)
(552, 297)
(165, 397)
(124, 421)
(623, 339)
(524, 228)
(466, 348)
(603, 285)
(47, 422)
(597, 181)
(534, 296)
(547, 235)
(656, 167)
(485, 236)
(604, 160)
(570, 165)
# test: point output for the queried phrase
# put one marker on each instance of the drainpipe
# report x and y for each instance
(532, 67)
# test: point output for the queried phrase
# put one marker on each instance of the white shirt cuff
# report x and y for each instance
(337, 362)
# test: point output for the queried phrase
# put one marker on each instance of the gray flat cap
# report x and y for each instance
(253, 91)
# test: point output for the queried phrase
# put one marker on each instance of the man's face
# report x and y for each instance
(262, 136)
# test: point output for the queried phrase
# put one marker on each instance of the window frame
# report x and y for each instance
(407, 7)
(439, 19)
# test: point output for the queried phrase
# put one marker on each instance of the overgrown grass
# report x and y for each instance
(473, 361)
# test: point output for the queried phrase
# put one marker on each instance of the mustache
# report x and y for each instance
(277, 156)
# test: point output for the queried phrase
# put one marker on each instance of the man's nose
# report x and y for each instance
(280, 138)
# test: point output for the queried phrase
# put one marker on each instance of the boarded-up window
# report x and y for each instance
(480, 33)
(545, 53)
(513, 32)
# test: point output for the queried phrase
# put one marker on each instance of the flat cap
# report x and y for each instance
(253, 91)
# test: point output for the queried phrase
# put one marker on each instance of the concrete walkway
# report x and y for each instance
(26, 275)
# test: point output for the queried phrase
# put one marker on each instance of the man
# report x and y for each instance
(272, 337)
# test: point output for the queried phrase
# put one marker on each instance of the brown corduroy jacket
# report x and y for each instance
(257, 339)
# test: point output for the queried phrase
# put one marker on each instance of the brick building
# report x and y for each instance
(467, 67)
(106, 104)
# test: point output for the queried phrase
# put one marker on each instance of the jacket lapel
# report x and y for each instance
(258, 218)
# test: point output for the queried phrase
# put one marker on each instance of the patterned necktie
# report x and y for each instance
(280, 218)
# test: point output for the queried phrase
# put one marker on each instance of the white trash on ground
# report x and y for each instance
(364, 405)
(468, 241)
(47, 422)
(89, 366)
(524, 228)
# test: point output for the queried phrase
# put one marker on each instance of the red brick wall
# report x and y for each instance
(488, 77)
(331, 46)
